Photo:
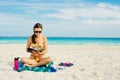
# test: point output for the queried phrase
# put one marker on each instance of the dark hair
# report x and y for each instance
(37, 25)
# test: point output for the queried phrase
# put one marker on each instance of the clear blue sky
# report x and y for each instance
(66, 18)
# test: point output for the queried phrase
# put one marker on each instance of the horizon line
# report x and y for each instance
(63, 37)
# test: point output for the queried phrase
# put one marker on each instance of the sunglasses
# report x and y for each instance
(37, 31)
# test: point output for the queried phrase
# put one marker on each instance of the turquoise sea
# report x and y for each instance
(64, 40)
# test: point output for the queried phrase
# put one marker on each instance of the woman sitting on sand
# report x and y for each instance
(38, 47)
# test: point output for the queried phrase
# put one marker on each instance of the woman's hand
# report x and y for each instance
(35, 54)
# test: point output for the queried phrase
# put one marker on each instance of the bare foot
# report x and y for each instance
(33, 65)
(27, 65)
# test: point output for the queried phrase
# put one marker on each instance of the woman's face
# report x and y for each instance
(37, 31)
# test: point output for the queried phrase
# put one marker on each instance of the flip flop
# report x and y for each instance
(67, 64)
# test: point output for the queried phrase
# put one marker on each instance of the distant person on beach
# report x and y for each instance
(37, 45)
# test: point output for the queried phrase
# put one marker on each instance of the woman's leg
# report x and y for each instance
(31, 60)
(43, 61)
(28, 61)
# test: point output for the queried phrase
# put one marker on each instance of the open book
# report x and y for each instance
(34, 49)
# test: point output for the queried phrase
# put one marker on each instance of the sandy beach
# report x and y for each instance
(91, 62)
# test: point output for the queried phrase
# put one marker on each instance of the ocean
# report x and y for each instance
(65, 41)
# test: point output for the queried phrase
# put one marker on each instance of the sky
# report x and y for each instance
(61, 18)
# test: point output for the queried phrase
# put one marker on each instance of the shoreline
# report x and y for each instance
(65, 41)
(63, 44)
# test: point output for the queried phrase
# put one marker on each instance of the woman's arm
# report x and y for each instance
(45, 43)
(28, 44)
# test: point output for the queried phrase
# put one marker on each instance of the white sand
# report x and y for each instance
(90, 62)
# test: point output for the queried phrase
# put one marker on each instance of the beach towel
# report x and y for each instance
(44, 68)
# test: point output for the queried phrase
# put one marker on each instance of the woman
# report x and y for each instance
(37, 45)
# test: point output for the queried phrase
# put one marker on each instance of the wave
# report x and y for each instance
(3, 42)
